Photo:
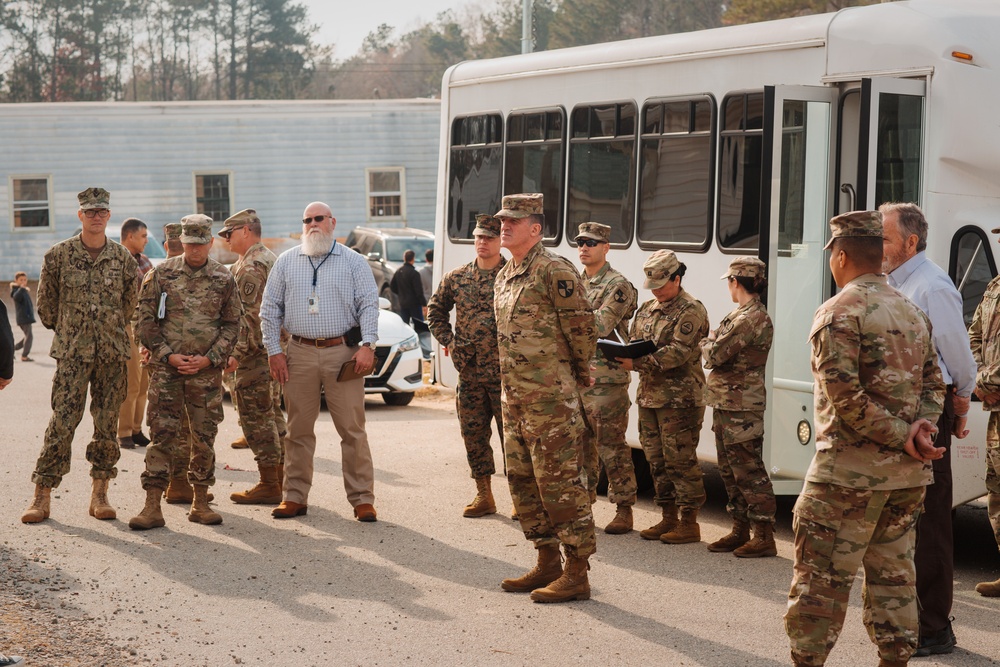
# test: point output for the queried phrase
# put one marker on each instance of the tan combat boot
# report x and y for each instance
(547, 570)
(38, 511)
(200, 512)
(100, 508)
(572, 585)
(989, 589)
(667, 523)
(483, 503)
(266, 492)
(150, 516)
(179, 492)
(882, 662)
(762, 544)
(737, 537)
(240, 443)
(687, 530)
(622, 523)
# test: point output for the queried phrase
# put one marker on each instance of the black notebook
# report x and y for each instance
(612, 349)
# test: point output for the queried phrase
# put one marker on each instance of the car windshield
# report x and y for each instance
(395, 248)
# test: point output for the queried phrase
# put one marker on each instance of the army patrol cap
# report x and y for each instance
(486, 225)
(521, 206)
(855, 224)
(594, 230)
(172, 231)
(92, 198)
(745, 267)
(196, 229)
(659, 268)
(245, 217)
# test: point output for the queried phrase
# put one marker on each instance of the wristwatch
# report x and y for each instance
(367, 345)
(165, 359)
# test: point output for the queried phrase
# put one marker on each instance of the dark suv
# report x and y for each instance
(384, 249)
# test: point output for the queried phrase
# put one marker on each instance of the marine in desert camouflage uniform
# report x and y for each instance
(736, 354)
(671, 397)
(472, 345)
(546, 336)
(878, 393)
(86, 294)
(189, 318)
(606, 403)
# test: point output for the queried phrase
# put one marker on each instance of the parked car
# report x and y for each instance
(398, 371)
(384, 249)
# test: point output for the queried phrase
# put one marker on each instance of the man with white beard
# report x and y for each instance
(324, 295)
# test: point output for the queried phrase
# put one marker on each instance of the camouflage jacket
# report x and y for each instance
(876, 372)
(87, 302)
(984, 337)
(545, 329)
(251, 271)
(671, 377)
(613, 299)
(203, 311)
(737, 358)
(473, 342)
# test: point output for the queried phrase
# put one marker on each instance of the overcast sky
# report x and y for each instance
(345, 23)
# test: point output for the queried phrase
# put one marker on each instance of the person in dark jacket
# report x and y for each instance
(25, 312)
(409, 289)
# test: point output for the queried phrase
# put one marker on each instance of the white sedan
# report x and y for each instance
(398, 371)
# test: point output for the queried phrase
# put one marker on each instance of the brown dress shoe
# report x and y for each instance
(365, 513)
(287, 509)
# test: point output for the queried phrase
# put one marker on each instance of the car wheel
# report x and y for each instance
(398, 397)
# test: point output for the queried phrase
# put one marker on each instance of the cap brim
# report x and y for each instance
(93, 207)
(194, 240)
(507, 213)
(829, 244)
(483, 232)
(585, 235)
(725, 275)
(649, 283)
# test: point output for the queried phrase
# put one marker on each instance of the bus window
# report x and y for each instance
(971, 268)
(474, 172)
(534, 161)
(741, 141)
(675, 173)
(897, 160)
(602, 168)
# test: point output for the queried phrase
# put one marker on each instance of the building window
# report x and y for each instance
(30, 201)
(386, 193)
(602, 172)
(475, 170)
(534, 161)
(213, 196)
(741, 145)
(675, 173)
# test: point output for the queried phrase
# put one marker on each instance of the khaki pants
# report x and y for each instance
(313, 370)
(133, 409)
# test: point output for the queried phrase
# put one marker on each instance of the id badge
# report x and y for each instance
(313, 305)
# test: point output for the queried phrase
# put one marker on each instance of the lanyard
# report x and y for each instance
(317, 268)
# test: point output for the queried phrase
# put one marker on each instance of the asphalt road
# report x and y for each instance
(419, 587)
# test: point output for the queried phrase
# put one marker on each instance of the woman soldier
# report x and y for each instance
(736, 354)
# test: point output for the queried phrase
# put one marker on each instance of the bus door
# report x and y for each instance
(799, 137)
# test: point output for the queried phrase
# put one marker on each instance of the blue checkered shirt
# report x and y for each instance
(345, 290)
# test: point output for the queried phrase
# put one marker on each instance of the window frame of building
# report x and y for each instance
(199, 202)
(370, 194)
(538, 130)
(483, 145)
(741, 136)
(653, 130)
(33, 204)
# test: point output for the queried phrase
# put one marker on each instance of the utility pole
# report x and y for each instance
(527, 42)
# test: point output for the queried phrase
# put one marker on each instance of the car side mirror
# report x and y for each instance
(375, 256)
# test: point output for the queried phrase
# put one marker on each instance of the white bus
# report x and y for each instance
(746, 140)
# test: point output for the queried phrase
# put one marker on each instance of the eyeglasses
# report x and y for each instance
(229, 232)
(90, 214)
(316, 218)
(590, 243)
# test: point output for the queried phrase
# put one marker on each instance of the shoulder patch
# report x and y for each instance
(565, 288)
(249, 288)
(620, 296)
(686, 328)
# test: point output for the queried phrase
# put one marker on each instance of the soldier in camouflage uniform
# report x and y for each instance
(606, 403)
(86, 293)
(189, 318)
(878, 393)
(671, 397)
(736, 354)
(254, 391)
(984, 337)
(473, 349)
(546, 335)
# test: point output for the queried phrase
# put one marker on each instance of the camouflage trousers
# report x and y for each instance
(107, 380)
(837, 529)
(993, 472)
(739, 443)
(607, 407)
(171, 398)
(478, 405)
(542, 443)
(669, 438)
(254, 396)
